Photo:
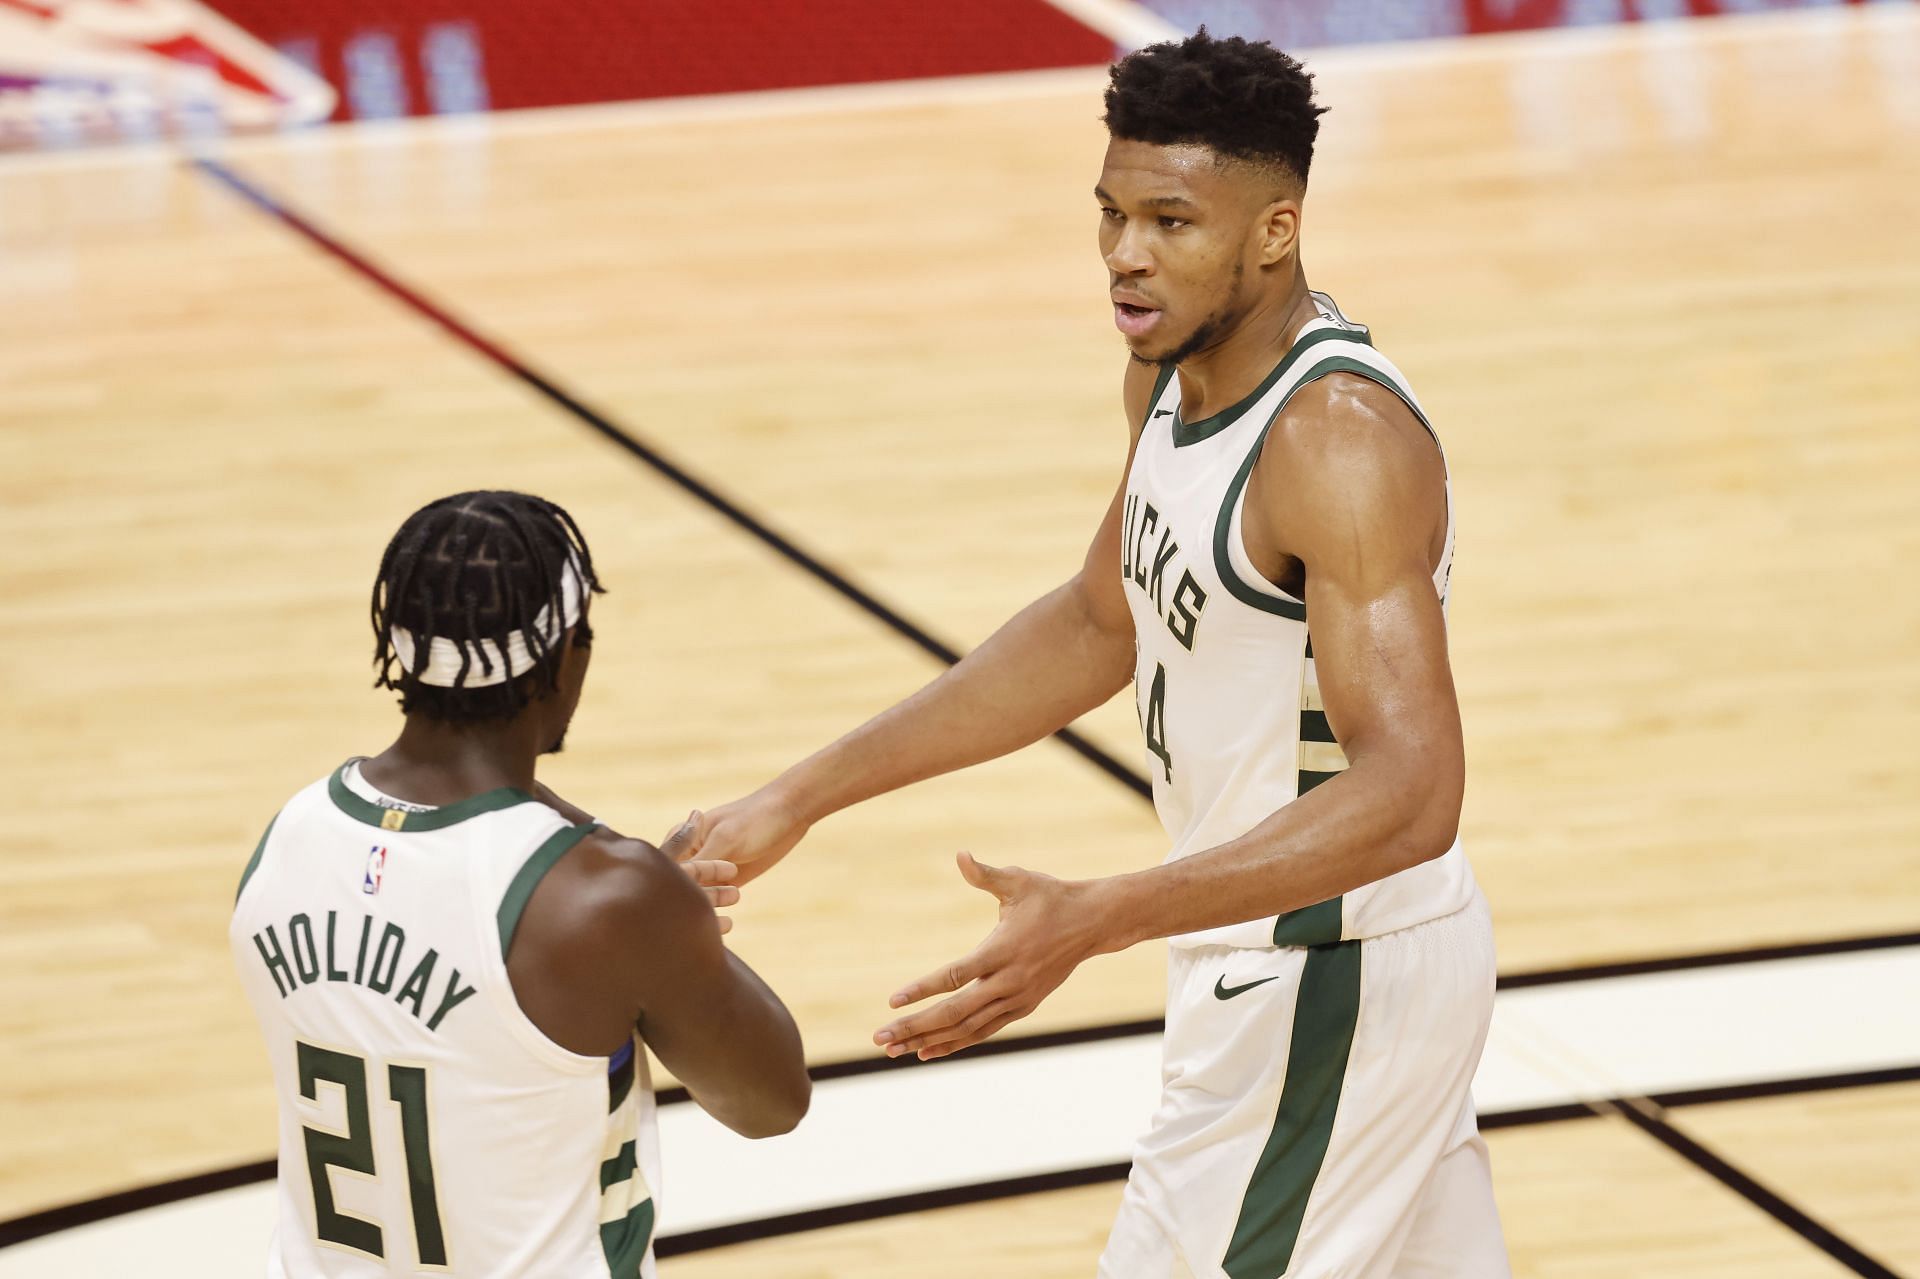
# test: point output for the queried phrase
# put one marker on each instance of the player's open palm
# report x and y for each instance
(1041, 938)
(752, 833)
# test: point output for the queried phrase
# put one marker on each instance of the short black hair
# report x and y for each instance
(474, 568)
(1242, 98)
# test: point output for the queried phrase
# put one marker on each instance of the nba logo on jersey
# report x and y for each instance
(376, 869)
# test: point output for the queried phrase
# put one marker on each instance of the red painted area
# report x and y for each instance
(535, 55)
(190, 48)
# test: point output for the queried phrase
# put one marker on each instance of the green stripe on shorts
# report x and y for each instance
(1324, 1016)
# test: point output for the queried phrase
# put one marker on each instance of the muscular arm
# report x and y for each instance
(1057, 659)
(617, 935)
(1351, 486)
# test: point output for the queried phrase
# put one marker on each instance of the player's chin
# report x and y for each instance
(1154, 347)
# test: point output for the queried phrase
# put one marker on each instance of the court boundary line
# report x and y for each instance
(985, 1192)
(87, 1212)
(693, 486)
(1073, 1036)
(1648, 1116)
(1706, 959)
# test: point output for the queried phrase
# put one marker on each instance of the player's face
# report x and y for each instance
(1177, 233)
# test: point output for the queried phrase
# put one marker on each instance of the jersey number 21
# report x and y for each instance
(352, 1151)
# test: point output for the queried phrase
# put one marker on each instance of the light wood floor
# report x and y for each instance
(1658, 291)
(1588, 1199)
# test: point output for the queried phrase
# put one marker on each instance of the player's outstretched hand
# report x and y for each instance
(753, 833)
(715, 877)
(1043, 934)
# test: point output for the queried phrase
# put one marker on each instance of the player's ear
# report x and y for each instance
(1279, 231)
(575, 652)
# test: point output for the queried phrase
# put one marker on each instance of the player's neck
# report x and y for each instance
(437, 763)
(1227, 371)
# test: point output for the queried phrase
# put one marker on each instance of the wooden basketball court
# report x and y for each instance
(1657, 286)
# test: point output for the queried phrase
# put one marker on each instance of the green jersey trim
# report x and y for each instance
(625, 1242)
(1315, 925)
(253, 862)
(531, 872)
(1185, 433)
(1326, 1010)
(1285, 605)
(365, 810)
(1160, 380)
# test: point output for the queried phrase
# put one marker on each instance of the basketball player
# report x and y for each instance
(449, 963)
(1273, 575)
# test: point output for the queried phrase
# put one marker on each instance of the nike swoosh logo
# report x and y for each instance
(1161, 412)
(1223, 991)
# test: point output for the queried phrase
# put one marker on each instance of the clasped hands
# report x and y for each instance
(1046, 928)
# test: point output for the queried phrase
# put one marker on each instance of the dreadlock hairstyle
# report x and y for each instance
(1241, 98)
(474, 569)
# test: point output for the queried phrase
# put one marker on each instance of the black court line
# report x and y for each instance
(1648, 1120)
(88, 1211)
(92, 1210)
(1788, 1087)
(701, 491)
(1544, 977)
(53, 1220)
(1707, 959)
(894, 1206)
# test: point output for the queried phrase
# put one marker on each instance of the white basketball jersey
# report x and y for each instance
(1224, 678)
(426, 1125)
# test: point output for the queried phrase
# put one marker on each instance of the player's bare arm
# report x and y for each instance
(1060, 657)
(716, 878)
(1349, 495)
(618, 935)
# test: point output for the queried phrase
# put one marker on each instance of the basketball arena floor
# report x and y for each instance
(828, 379)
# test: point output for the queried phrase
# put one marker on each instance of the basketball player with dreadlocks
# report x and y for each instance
(449, 963)
(1273, 575)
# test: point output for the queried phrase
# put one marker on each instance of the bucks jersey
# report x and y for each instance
(426, 1125)
(1235, 727)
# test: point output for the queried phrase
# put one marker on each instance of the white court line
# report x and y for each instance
(1898, 19)
(1122, 21)
(966, 1122)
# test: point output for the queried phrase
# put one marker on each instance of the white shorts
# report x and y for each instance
(1316, 1119)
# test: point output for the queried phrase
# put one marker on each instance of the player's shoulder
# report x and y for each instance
(618, 866)
(609, 884)
(1344, 424)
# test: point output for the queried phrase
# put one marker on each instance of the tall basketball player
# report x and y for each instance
(449, 963)
(1273, 575)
